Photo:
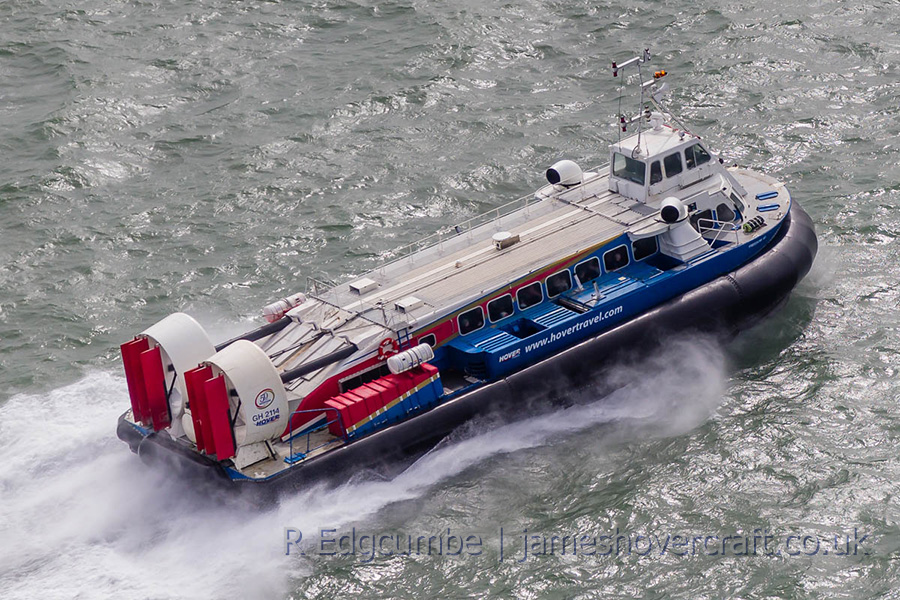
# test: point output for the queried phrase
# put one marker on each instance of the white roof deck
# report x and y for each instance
(463, 268)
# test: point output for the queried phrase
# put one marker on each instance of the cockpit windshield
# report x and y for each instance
(629, 168)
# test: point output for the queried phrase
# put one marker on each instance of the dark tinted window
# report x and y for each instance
(500, 308)
(615, 258)
(702, 220)
(673, 164)
(628, 168)
(655, 172)
(559, 283)
(530, 295)
(429, 339)
(588, 270)
(471, 320)
(644, 248)
(724, 212)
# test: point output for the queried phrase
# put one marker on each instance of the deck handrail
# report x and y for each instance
(327, 422)
(318, 289)
(452, 231)
(719, 227)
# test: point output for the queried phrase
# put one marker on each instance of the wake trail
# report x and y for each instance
(81, 516)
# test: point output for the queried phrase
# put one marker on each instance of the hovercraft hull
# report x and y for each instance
(724, 307)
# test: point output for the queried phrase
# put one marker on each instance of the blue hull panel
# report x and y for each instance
(547, 329)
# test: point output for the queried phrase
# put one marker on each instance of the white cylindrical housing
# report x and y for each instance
(565, 173)
(680, 240)
(276, 310)
(184, 345)
(406, 360)
(261, 400)
(673, 210)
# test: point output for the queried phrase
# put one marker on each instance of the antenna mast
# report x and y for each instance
(646, 87)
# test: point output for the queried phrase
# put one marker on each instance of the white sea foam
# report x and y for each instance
(81, 517)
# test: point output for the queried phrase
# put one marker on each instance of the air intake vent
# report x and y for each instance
(409, 303)
(364, 285)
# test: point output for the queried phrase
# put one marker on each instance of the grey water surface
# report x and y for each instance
(209, 156)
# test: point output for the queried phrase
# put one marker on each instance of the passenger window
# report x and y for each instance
(588, 270)
(471, 320)
(644, 247)
(724, 212)
(655, 172)
(500, 308)
(530, 295)
(429, 339)
(616, 258)
(559, 283)
(673, 164)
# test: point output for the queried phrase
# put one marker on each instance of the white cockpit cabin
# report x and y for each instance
(661, 162)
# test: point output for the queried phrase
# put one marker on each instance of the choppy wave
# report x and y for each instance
(209, 156)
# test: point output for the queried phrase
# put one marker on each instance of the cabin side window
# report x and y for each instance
(559, 283)
(655, 172)
(471, 320)
(673, 164)
(500, 308)
(616, 258)
(724, 212)
(643, 248)
(588, 270)
(628, 168)
(530, 295)
(696, 155)
(429, 339)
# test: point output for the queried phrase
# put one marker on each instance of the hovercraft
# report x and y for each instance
(478, 318)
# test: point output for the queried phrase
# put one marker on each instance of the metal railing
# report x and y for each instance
(319, 289)
(722, 229)
(327, 294)
(315, 286)
(466, 227)
(295, 457)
